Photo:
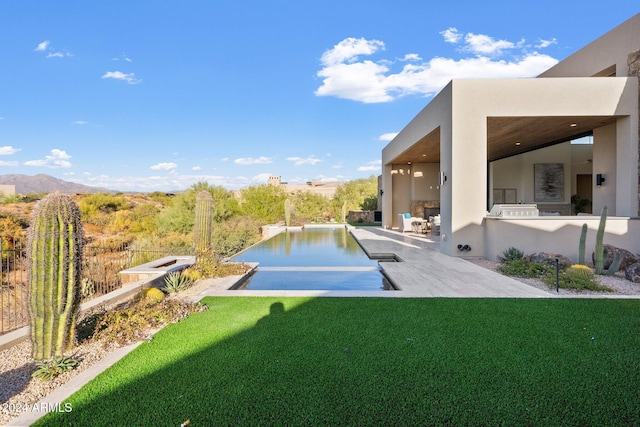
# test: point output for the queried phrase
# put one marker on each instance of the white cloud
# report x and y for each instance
(165, 166)
(481, 44)
(411, 57)
(10, 163)
(122, 57)
(42, 46)
(253, 161)
(372, 166)
(299, 161)
(80, 122)
(130, 78)
(345, 75)
(45, 46)
(196, 168)
(8, 150)
(58, 54)
(451, 35)
(546, 43)
(166, 182)
(339, 165)
(57, 159)
(262, 178)
(387, 136)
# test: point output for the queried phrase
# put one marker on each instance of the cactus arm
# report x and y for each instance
(581, 246)
(615, 265)
(599, 258)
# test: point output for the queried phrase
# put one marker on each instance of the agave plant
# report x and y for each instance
(176, 282)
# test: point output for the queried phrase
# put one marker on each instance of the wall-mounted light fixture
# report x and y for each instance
(381, 193)
(443, 178)
(599, 179)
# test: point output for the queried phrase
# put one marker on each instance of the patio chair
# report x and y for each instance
(404, 222)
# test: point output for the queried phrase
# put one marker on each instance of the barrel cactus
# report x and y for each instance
(203, 222)
(55, 275)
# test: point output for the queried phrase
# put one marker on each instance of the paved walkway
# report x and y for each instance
(423, 272)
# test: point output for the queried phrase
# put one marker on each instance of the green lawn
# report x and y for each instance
(378, 361)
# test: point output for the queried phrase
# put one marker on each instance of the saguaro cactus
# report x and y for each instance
(287, 212)
(55, 275)
(203, 222)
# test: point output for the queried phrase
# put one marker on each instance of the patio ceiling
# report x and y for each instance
(509, 136)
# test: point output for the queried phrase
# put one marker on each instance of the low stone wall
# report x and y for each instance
(361, 217)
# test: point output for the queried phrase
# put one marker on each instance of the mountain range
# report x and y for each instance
(42, 183)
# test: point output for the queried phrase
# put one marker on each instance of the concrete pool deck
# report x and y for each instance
(423, 272)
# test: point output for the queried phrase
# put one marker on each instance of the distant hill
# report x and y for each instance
(41, 183)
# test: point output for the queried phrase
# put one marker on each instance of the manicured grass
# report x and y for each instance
(375, 361)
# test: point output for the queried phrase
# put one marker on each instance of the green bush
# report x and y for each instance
(522, 267)
(577, 277)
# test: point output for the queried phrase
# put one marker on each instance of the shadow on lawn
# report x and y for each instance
(376, 361)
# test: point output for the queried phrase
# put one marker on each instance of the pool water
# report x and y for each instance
(312, 259)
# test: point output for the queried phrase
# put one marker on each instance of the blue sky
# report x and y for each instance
(158, 95)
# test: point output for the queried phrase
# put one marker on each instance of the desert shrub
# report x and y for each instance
(192, 274)
(9, 199)
(359, 194)
(309, 207)
(232, 236)
(12, 229)
(209, 266)
(97, 207)
(263, 203)
(136, 320)
(179, 216)
(151, 247)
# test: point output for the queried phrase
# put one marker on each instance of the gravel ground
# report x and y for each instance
(18, 390)
(617, 282)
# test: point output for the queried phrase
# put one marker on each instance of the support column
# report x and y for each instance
(633, 63)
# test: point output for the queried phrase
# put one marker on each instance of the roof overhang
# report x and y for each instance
(510, 136)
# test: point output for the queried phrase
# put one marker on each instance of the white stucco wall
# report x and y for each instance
(558, 235)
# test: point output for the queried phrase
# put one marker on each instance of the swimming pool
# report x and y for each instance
(324, 258)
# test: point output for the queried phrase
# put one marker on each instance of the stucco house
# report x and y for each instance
(482, 143)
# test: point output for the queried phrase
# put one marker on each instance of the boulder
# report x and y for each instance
(632, 272)
(627, 257)
(550, 258)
